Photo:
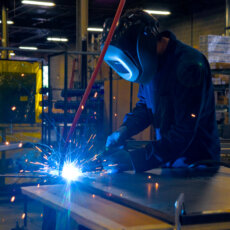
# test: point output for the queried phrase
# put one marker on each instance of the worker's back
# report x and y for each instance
(181, 99)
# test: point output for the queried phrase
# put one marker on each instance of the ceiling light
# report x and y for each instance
(38, 3)
(27, 48)
(8, 22)
(159, 12)
(94, 29)
(55, 39)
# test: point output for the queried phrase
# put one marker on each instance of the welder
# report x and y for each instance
(175, 94)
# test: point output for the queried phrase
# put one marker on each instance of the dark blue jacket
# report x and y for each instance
(180, 104)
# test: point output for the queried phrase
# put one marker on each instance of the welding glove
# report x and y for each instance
(143, 159)
(117, 138)
(118, 161)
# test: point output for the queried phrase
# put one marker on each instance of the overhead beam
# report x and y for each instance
(33, 38)
(50, 51)
(37, 28)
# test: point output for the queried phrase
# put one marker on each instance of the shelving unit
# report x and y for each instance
(222, 97)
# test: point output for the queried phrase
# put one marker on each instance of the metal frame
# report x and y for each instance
(46, 128)
(50, 51)
(179, 210)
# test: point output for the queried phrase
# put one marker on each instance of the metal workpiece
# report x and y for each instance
(179, 210)
(88, 210)
(161, 194)
(155, 192)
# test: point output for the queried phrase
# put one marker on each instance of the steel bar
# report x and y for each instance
(50, 104)
(131, 97)
(21, 175)
(43, 128)
(110, 100)
(50, 51)
(10, 147)
(65, 96)
(25, 210)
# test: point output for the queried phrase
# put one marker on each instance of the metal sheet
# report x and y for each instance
(155, 192)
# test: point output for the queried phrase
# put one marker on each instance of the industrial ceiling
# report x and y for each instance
(33, 24)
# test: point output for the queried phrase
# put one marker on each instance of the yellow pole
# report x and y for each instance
(227, 17)
(4, 31)
(84, 18)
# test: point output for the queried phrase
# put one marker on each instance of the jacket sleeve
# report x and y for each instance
(140, 118)
(189, 100)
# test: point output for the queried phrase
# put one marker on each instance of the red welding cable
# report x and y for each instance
(94, 75)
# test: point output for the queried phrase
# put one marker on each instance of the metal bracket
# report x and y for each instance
(179, 210)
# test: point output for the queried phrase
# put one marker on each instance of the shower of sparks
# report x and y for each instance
(38, 148)
(12, 199)
(42, 161)
(70, 171)
(95, 95)
(90, 138)
(83, 155)
(13, 108)
(156, 186)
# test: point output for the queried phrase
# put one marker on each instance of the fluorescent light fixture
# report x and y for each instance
(38, 3)
(8, 22)
(27, 48)
(55, 39)
(94, 29)
(159, 12)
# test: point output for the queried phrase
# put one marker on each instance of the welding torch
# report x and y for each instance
(91, 82)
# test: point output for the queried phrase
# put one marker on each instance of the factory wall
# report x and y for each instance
(57, 71)
(203, 22)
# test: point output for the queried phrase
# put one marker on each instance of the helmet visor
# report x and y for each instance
(121, 63)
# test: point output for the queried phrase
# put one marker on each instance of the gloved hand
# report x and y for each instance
(117, 138)
(143, 159)
(118, 161)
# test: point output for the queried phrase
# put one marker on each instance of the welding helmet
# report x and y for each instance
(132, 52)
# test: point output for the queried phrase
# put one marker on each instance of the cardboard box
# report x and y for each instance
(215, 48)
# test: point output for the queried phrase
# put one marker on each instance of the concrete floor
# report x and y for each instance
(11, 213)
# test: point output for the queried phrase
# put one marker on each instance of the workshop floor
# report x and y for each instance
(11, 213)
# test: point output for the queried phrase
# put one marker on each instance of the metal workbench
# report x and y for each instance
(153, 194)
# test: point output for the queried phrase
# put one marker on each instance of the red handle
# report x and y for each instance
(95, 72)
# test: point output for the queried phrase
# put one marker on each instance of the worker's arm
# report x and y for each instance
(189, 100)
(133, 123)
(140, 118)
